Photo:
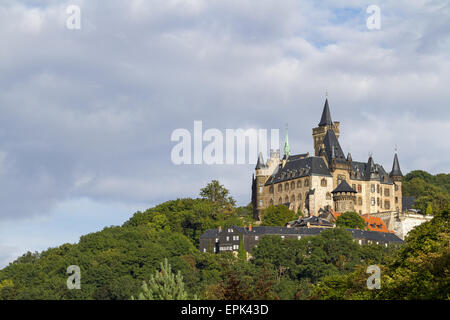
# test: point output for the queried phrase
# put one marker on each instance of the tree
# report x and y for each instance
(217, 193)
(351, 220)
(164, 285)
(429, 209)
(277, 216)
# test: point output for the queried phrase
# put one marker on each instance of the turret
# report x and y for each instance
(344, 197)
(396, 173)
(396, 176)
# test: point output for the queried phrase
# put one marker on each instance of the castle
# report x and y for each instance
(328, 180)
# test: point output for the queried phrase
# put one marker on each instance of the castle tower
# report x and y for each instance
(344, 197)
(258, 187)
(396, 176)
(321, 130)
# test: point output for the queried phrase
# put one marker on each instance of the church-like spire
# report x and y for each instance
(396, 172)
(326, 115)
(287, 148)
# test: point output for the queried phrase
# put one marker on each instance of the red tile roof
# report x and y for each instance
(372, 223)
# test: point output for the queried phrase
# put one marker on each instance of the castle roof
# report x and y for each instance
(343, 187)
(298, 166)
(333, 149)
(260, 164)
(268, 230)
(326, 115)
(396, 167)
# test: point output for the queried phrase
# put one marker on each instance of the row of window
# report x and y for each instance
(235, 238)
(291, 185)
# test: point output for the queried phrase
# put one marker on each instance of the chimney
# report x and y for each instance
(250, 227)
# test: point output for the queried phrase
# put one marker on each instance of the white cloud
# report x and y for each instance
(89, 113)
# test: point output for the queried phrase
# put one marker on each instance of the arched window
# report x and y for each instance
(286, 186)
(306, 183)
(292, 185)
(328, 196)
(280, 201)
(280, 188)
(299, 184)
(292, 198)
(299, 197)
(271, 202)
(286, 199)
(323, 182)
(271, 189)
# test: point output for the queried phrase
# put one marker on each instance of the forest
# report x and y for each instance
(154, 255)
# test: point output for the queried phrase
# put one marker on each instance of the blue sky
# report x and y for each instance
(86, 115)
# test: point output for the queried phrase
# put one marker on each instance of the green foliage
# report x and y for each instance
(116, 261)
(277, 216)
(164, 285)
(420, 269)
(243, 281)
(432, 192)
(351, 220)
(191, 217)
(417, 270)
(217, 193)
(330, 252)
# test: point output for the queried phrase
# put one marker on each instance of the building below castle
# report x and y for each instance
(313, 184)
(231, 238)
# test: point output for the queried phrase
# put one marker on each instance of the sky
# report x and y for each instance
(86, 115)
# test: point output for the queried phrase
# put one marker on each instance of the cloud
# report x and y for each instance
(89, 113)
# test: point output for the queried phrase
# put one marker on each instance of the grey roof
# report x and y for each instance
(343, 187)
(396, 168)
(333, 149)
(326, 115)
(266, 230)
(312, 220)
(408, 202)
(298, 166)
(260, 164)
(369, 171)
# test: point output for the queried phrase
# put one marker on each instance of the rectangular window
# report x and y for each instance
(256, 238)
(372, 188)
(228, 238)
(387, 205)
(372, 200)
(359, 188)
(386, 192)
(217, 240)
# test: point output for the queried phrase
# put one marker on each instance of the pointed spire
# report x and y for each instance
(349, 157)
(396, 172)
(260, 164)
(287, 148)
(370, 164)
(326, 115)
